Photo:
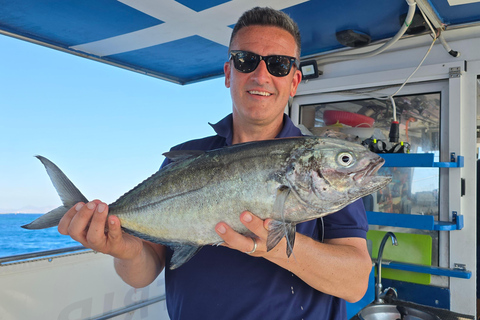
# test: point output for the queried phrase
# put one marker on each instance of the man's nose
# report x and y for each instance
(261, 74)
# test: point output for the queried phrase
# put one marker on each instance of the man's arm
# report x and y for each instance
(143, 269)
(339, 267)
(137, 262)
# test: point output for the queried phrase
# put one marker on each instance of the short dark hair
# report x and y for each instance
(268, 17)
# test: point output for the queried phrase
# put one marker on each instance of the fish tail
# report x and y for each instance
(69, 194)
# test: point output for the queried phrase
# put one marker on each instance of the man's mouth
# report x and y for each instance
(260, 93)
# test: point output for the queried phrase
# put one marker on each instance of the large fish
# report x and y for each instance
(288, 180)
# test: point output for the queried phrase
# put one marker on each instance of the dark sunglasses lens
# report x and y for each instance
(279, 66)
(245, 62)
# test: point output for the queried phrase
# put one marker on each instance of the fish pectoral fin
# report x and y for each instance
(181, 254)
(280, 229)
(279, 204)
(277, 231)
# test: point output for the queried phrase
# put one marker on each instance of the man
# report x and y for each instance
(240, 280)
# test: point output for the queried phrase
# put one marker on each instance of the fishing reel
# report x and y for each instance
(380, 146)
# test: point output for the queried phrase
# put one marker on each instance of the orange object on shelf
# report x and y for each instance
(331, 117)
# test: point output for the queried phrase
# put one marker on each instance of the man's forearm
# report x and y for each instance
(142, 270)
(339, 267)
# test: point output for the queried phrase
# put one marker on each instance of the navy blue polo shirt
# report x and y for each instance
(221, 283)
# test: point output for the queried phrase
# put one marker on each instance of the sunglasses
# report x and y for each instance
(246, 62)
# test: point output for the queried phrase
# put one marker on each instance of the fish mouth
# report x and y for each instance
(370, 170)
(369, 181)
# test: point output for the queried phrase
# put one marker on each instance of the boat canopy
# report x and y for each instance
(186, 41)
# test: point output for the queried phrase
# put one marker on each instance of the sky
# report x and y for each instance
(105, 127)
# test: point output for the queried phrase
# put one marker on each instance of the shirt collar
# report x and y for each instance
(224, 128)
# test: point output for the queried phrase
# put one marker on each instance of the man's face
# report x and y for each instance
(259, 97)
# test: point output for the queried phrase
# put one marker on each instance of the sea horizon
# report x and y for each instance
(22, 212)
(15, 240)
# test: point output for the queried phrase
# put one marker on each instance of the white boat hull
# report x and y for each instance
(75, 286)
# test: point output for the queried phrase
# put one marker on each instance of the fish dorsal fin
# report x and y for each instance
(179, 155)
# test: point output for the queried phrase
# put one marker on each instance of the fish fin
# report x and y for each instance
(50, 219)
(145, 236)
(178, 155)
(181, 254)
(278, 230)
(279, 208)
(279, 204)
(69, 194)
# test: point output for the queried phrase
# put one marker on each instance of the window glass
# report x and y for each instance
(412, 190)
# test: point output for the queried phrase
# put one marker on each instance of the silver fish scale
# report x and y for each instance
(203, 195)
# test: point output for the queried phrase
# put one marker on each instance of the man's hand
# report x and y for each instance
(87, 224)
(326, 266)
(137, 262)
(257, 226)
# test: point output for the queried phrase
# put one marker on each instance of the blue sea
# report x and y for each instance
(16, 240)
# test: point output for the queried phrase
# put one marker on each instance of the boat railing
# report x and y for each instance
(130, 308)
(41, 254)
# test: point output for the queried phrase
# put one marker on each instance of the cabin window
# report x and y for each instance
(412, 190)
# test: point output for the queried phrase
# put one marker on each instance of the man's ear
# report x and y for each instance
(297, 78)
(226, 70)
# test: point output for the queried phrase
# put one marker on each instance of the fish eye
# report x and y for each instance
(345, 159)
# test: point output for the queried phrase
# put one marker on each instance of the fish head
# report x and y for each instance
(329, 173)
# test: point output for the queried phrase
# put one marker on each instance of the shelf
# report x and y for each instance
(413, 221)
(422, 222)
(454, 273)
(425, 160)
